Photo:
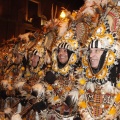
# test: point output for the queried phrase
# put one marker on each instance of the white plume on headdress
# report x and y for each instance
(89, 2)
(63, 26)
(4, 83)
(25, 36)
(89, 11)
(108, 88)
(16, 117)
(74, 95)
(7, 110)
(90, 86)
(19, 85)
(39, 88)
(105, 43)
(68, 34)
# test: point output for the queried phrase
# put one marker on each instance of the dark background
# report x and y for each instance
(68, 4)
(13, 14)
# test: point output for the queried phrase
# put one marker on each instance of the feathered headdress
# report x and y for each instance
(105, 38)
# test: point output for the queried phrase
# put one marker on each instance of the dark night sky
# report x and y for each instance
(68, 4)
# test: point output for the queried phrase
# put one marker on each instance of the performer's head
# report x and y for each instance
(34, 60)
(63, 53)
(64, 56)
(18, 58)
(97, 55)
(19, 53)
(37, 57)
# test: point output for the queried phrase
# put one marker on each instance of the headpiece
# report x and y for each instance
(64, 45)
(70, 44)
(104, 81)
(104, 38)
(38, 49)
(95, 44)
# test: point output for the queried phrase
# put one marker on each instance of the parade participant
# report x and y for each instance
(60, 81)
(36, 67)
(26, 41)
(10, 72)
(22, 74)
(39, 63)
(49, 99)
(101, 69)
(14, 75)
(7, 91)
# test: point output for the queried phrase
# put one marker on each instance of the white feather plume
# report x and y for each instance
(7, 110)
(19, 85)
(4, 83)
(25, 36)
(39, 88)
(90, 86)
(89, 10)
(16, 117)
(62, 28)
(108, 88)
(74, 95)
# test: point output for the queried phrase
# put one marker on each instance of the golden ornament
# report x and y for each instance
(22, 68)
(112, 111)
(82, 104)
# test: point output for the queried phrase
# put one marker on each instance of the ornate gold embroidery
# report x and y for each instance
(84, 61)
(111, 58)
(100, 30)
(102, 73)
(73, 59)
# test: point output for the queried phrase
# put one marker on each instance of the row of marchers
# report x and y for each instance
(35, 86)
